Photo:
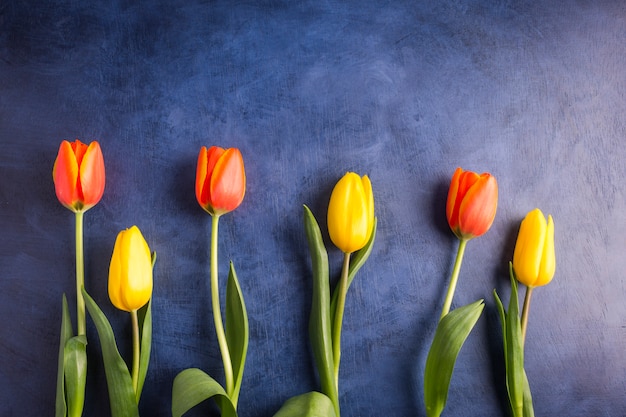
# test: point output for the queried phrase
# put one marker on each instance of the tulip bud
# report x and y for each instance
(130, 273)
(220, 179)
(534, 258)
(78, 175)
(351, 212)
(472, 203)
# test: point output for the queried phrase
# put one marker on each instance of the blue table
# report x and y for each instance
(403, 91)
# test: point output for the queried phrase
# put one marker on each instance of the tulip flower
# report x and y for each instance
(472, 203)
(534, 261)
(130, 282)
(470, 209)
(78, 175)
(533, 265)
(220, 179)
(350, 226)
(351, 212)
(130, 272)
(220, 188)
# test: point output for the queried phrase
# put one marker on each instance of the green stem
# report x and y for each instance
(136, 351)
(454, 278)
(525, 312)
(341, 303)
(80, 275)
(217, 313)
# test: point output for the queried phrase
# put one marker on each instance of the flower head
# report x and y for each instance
(534, 260)
(472, 203)
(351, 212)
(130, 273)
(78, 175)
(220, 179)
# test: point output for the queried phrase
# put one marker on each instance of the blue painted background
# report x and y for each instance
(404, 91)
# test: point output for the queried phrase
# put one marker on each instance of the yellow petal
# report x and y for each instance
(529, 248)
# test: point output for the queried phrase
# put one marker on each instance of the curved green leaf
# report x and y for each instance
(311, 404)
(520, 398)
(145, 330)
(144, 316)
(237, 332)
(66, 334)
(450, 335)
(119, 382)
(193, 386)
(75, 370)
(357, 260)
(319, 323)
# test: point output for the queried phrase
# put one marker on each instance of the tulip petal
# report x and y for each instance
(529, 248)
(478, 208)
(548, 258)
(92, 175)
(351, 212)
(452, 208)
(65, 175)
(130, 272)
(115, 275)
(201, 174)
(228, 181)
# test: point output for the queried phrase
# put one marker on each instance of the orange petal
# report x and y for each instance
(65, 175)
(228, 181)
(92, 175)
(478, 209)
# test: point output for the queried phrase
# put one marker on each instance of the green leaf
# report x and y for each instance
(144, 315)
(193, 386)
(145, 330)
(357, 260)
(75, 362)
(319, 323)
(66, 334)
(119, 382)
(311, 404)
(450, 335)
(518, 389)
(528, 399)
(237, 332)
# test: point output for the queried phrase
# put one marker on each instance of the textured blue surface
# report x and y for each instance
(405, 91)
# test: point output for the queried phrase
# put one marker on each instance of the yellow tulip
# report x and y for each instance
(534, 259)
(351, 212)
(130, 272)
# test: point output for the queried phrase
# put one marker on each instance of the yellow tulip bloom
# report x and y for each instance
(130, 272)
(534, 259)
(351, 212)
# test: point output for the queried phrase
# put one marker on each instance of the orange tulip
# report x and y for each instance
(220, 179)
(78, 175)
(472, 203)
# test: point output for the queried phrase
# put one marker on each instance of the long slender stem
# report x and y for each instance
(217, 312)
(80, 275)
(136, 351)
(454, 278)
(341, 303)
(525, 312)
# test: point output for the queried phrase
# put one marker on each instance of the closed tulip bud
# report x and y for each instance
(78, 175)
(534, 259)
(220, 179)
(351, 212)
(130, 273)
(472, 203)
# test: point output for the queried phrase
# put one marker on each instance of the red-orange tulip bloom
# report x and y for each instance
(78, 175)
(472, 203)
(220, 179)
